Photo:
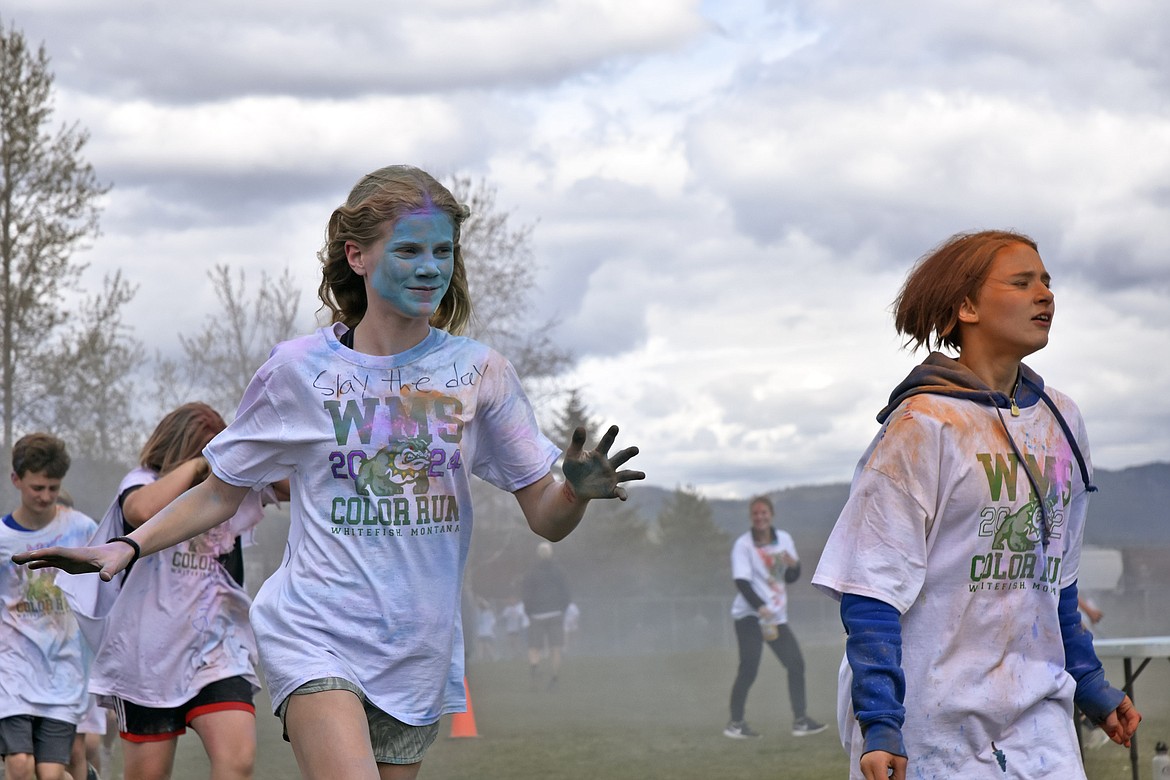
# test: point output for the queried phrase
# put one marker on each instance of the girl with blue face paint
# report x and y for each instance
(410, 270)
(378, 420)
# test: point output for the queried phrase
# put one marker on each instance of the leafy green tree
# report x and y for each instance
(49, 209)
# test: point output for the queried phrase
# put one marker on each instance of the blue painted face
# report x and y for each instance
(417, 261)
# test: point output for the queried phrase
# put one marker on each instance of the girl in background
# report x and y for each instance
(763, 564)
(178, 650)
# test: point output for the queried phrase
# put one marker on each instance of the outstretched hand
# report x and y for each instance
(593, 473)
(106, 559)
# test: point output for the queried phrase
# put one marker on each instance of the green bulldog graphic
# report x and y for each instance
(1020, 531)
(400, 463)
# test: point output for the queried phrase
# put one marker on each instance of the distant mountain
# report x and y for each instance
(1130, 509)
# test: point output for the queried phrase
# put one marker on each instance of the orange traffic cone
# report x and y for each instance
(463, 723)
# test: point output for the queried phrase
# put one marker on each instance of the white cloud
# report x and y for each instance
(726, 196)
(186, 53)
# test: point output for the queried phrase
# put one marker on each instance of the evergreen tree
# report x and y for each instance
(574, 415)
(609, 555)
(694, 554)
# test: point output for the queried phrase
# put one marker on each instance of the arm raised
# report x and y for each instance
(553, 509)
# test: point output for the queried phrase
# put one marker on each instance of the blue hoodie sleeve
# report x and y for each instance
(874, 650)
(1094, 696)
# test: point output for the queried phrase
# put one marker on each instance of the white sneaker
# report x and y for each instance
(738, 729)
(806, 726)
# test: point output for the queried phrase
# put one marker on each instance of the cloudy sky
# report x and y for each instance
(726, 194)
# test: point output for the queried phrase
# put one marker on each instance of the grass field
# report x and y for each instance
(647, 718)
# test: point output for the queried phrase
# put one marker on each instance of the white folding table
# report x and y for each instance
(1129, 649)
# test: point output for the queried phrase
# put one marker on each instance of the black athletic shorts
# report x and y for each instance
(550, 630)
(153, 724)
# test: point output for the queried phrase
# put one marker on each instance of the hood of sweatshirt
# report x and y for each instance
(941, 375)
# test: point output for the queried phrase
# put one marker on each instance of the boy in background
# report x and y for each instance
(43, 658)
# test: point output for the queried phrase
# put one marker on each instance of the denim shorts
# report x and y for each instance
(394, 742)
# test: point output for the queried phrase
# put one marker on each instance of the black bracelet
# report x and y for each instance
(132, 543)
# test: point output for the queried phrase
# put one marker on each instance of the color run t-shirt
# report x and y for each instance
(180, 621)
(379, 451)
(43, 658)
(942, 524)
(764, 569)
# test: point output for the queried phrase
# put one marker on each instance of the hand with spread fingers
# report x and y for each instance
(593, 473)
(106, 559)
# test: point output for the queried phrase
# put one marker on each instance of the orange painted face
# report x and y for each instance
(1011, 315)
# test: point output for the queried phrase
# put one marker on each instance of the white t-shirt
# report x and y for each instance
(940, 524)
(572, 617)
(180, 621)
(94, 721)
(379, 451)
(515, 620)
(485, 626)
(764, 569)
(43, 658)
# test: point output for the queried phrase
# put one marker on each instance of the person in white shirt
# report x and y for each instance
(177, 649)
(515, 624)
(956, 557)
(378, 420)
(763, 563)
(44, 660)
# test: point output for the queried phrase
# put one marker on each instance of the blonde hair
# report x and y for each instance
(384, 196)
(926, 310)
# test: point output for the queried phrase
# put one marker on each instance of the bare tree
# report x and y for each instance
(89, 376)
(48, 209)
(219, 361)
(500, 269)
